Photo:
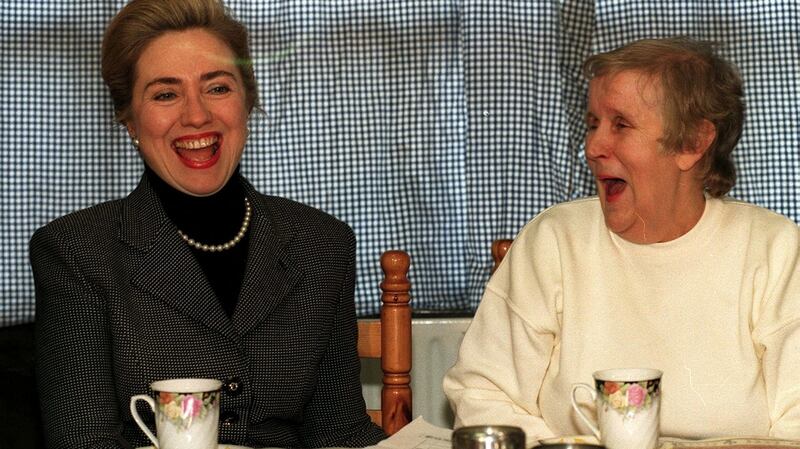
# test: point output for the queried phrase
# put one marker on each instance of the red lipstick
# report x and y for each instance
(199, 151)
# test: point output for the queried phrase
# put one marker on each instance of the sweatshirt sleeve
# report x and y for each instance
(506, 350)
(776, 332)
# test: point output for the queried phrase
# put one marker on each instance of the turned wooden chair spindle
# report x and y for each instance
(389, 339)
(499, 250)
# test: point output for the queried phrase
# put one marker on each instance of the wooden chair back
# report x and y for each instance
(389, 339)
(499, 250)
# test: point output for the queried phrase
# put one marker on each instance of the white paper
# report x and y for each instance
(418, 434)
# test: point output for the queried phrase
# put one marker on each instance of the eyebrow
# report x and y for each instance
(615, 112)
(216, 74)
(204, 77)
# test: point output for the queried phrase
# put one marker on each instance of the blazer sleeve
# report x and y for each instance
(336, 414)
(73, 350)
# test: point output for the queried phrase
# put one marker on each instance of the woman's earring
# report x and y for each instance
(135, 142)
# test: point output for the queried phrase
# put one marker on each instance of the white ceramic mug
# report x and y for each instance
(186, 411)
(627, 401)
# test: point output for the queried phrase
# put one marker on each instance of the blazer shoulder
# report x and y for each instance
(89, 224)
(307, 219)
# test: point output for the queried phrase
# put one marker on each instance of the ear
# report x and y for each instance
(131, 130)
(690, 155)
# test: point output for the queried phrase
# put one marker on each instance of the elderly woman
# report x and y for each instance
(660, 270)
(195, 273)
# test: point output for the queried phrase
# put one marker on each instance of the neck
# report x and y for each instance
(671, 222)
(211, 219)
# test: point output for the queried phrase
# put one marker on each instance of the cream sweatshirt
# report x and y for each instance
(717, 310)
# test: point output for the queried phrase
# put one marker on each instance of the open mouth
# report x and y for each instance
(613, 187)
(200, 151)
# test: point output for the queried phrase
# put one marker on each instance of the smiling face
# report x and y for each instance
(188, 110)
(647, 194)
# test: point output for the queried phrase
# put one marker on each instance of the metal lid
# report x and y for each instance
(488, 437)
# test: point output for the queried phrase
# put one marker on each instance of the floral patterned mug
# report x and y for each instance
(186, 411)
(627, 401)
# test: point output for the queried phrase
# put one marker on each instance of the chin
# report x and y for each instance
(203, 189)
(616, 224)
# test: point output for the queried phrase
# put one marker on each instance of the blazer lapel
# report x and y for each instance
(270, 273)
(167, 268)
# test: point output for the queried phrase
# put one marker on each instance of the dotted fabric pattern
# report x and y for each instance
(117, 315)
(429, 126)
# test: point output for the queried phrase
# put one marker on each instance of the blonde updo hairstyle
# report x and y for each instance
(141, 21)
(696, 84)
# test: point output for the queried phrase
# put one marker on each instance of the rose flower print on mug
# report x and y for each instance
(628, 398)
(181, 409)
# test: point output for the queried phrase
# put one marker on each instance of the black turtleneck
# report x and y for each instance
(212, 220)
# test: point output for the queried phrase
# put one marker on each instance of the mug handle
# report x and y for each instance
(575, 388)
(139, 422)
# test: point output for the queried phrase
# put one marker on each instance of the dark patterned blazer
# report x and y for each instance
(121, 302)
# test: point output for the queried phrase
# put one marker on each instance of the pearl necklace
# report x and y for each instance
(227, 245)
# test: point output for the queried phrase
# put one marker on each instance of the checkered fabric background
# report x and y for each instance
(431, 126)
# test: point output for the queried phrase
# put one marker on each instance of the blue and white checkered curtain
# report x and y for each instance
(431, 126)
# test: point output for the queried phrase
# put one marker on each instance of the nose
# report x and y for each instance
(598, 143)
(195, 111)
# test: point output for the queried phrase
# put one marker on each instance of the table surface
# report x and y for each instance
(729, 443)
